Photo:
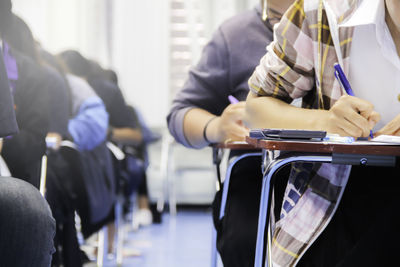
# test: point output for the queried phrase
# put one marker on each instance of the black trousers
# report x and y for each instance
(365, 228)
(68, 253)
(237, 231)
(27, 226)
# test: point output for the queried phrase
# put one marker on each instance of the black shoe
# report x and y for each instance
(157, 216)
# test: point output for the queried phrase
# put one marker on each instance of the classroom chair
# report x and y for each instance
(234, 161)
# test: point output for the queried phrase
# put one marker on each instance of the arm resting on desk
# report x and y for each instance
(270, 112)
(349, 116)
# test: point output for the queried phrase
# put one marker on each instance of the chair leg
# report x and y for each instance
(214, 256)
(166, 151)
(119, 232)
(163, 171)
(43, 175)
(171, 190)
(102, 246)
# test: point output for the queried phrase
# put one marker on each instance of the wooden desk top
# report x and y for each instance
(236, 146)
(324, 147)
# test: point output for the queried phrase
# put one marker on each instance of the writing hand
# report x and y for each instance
(229, 126)
(351, 116)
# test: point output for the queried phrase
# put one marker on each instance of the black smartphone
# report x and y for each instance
(286, 134)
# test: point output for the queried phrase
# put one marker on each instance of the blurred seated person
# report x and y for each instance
(135, 141)
(29, 88)
(21, 39)
(87, 128)
(26, 224)
(124, 129)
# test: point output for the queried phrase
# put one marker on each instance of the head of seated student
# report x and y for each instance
(97, 71)
(111, 75)
(76, 63)
(273, 9)
(19, 36)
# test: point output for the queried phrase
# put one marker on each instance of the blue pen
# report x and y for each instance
(344, 83)
(233, 99)
(341, 77)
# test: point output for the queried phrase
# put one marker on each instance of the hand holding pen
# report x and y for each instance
(357, 115)
(230, 126)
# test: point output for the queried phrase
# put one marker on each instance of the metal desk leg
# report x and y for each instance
(214, 256)
(274, 165)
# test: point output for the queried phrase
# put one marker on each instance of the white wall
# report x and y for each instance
(67, 24)
(141, 55)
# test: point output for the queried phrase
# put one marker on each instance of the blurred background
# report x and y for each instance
(151, 43)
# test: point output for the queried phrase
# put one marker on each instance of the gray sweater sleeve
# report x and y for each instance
(207, 86)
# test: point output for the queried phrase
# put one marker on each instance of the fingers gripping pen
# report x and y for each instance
(344, 83)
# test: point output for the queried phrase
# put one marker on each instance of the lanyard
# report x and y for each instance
(11, 67)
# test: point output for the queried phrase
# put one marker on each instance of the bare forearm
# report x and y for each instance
(269, 112)
(193, 126)
(126, 135)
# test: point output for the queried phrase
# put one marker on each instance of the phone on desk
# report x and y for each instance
(287, 134)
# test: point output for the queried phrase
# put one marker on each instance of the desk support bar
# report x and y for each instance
(273, 163)
(364, 160)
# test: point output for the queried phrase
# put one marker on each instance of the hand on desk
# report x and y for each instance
(352, 116)
(392, 128)
(229, 126)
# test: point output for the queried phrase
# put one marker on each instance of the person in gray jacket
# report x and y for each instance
(201, 114)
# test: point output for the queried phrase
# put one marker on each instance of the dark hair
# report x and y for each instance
(53, 61)
(76, 63)
(99, 72)
(19, 36)
(111, 76)
(79, 65)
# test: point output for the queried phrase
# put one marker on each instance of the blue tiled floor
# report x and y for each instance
(181, 241)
